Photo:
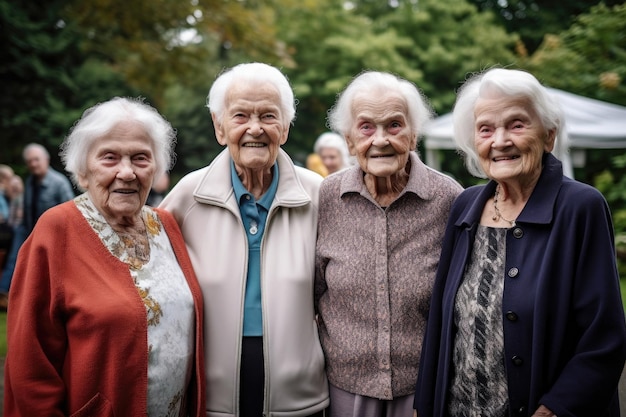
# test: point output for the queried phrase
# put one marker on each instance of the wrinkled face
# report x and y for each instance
(331, 158)
(381, 137)
(510, 139)
(120, 171)
(252, 126)
(37, 162)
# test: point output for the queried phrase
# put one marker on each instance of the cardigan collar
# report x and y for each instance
(540, 206)
(419, 181)
(216, 187)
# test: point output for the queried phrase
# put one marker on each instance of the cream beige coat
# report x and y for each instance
(204, 205)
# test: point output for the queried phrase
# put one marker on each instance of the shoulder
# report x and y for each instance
(184, 189)
(55, 221)
(331, 185)
(56, 176)
(169, 223)
(471, 192)
(308, 178)
(466, 199)
(578, 197)
(443, 184)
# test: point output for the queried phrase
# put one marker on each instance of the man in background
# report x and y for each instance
(44, 187)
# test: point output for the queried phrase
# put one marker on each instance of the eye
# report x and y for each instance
(141, 159)
(366, 128)
(484, 131)
(109, 156)
(269, 116)
(395, 126)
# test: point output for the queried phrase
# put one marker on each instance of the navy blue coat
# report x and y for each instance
(564, 327)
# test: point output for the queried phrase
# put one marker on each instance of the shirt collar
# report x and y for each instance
(418, 184)
(240, 191)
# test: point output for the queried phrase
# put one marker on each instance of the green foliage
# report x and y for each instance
(612, 183)
(47, 81)
(60, 59)
(589, 58)
(429, 43)
(532, 19)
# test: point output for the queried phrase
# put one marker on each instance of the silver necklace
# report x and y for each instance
(497, 216)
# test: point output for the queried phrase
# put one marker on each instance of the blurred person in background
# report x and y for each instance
(333, 151)
(315, 164)
(44, 187)
(6, 231)
(105, 314)
(249, 220)
(158, 190)
(6, 173)
(381, 224)
(15, 194)
(526, 317)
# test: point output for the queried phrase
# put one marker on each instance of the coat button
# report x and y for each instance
(513, 272)
(521, 411)
(511, 316)
(518, 233)
(517, 361)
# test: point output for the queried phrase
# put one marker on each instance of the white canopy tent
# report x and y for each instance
(590, 124)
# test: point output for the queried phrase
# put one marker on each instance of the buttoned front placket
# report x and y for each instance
(383, 308)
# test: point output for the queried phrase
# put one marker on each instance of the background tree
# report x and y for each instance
(47, 80)
(533, 19)
(431, 44)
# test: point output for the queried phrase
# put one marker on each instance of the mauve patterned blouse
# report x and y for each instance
(375, 269)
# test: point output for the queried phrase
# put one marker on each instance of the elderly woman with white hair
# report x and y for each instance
(333, 151)
(249, 220)
(381, 223)
(105, 311)
(526, 317)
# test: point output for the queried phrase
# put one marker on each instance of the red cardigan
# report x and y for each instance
(77, 328)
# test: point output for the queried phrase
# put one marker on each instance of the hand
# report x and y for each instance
(543, 411)
(414, 413)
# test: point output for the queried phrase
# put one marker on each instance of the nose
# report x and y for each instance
(126, 171)
(255, 128)
(379, 139)
(500, 138)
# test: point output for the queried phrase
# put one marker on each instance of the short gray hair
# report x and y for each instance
(258, 73)
(508, 83)
(340, 116)
(100, 119)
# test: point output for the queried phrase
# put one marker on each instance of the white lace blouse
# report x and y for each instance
(169, 308)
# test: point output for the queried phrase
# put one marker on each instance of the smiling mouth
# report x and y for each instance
(254, 145)
(125, 191)
(505, 158)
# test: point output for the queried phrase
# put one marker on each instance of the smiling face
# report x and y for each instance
(510, 139)
(381, 137)
(252, 126)
(120, 171)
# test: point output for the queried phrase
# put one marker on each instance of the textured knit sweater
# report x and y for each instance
(375, 268)
(77, 327)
